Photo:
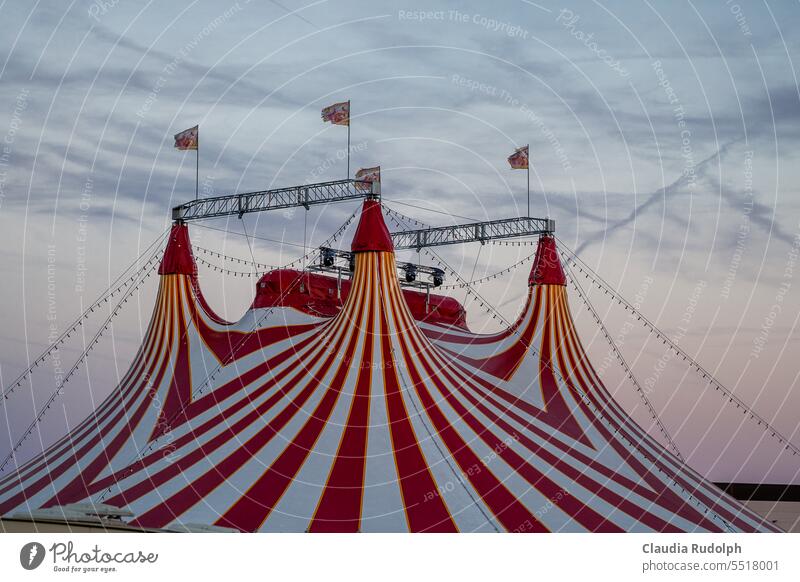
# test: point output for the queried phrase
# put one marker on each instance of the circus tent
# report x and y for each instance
(362, 407)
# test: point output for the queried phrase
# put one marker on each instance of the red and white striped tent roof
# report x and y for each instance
(366, 418)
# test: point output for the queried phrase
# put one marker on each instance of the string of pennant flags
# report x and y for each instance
(574, 261)
(508, 269)
(495, 315)
(238, 260)
(625, 366)
(264, 266)
(231, 357)
(104, 298)
(332, 239)
(145, 274)
(226, 271)
(571, 260)
(466, 285)
(634, 448)
(339, 114)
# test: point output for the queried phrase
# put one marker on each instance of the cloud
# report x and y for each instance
(662, 195)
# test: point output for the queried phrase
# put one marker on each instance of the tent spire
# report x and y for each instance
(178, 258)
(547, 268)
(371, 233)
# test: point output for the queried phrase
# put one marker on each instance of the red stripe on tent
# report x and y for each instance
(554, 415)
(512, 514)
(29, 491)
(339, 508)
(483, 394)
(188, 459)
(665, 497)
(504, 363)
(708, 494)
(442, 334)
(179, 392)
(187, 497)
(77, 489)
(252, 509)
(426, 510)
(583, 514)
(559, 464)
(116, 399)
(232, 431)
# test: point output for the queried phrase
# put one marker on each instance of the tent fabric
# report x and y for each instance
(363, 418)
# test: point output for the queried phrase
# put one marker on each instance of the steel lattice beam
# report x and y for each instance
(279, 198)
(341, 190)
(473, 232)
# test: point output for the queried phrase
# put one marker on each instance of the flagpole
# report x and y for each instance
(197, 167)
(528, 167)
(348, 139)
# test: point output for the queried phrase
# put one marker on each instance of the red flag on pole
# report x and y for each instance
(337, 114)
(368, 175)
(519, 159)
(188, 139)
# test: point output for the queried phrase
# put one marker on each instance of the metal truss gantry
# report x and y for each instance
(472, 232)
(276, 199)
(341, 190)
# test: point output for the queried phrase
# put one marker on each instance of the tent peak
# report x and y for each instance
(371, 233)
(178, 259)
(547, 268)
